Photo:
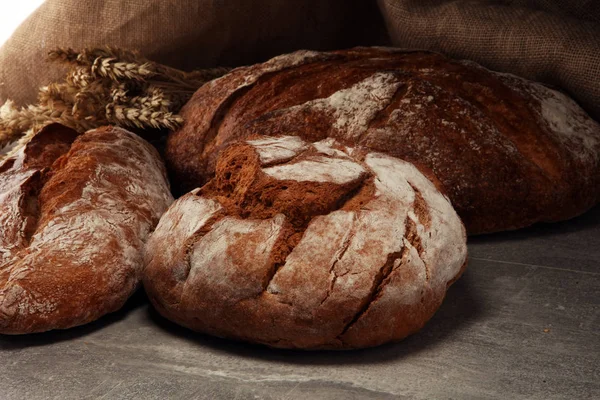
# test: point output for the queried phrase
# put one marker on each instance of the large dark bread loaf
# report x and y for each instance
(306, 245)
(508, 152)
(74, 216)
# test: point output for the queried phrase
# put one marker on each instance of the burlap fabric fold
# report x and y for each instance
(553, 41)
(187, 34)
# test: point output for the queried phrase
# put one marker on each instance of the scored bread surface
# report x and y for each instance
(74, 225)
(306, 245)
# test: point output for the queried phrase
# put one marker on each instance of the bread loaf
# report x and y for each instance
(508, 152)
(306, 245)
(74, 216)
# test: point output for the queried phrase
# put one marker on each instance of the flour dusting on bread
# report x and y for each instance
(508, 152)
(377, 237)
(564, 118)
(83, 256)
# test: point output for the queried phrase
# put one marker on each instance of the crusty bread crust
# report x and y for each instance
(306, 245)
(75, 214)
(508, 152)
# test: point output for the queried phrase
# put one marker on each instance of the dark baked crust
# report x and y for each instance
(311, 246)
(508, 152)
(74, 216)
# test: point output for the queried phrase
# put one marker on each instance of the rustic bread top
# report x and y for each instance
(306, 245)
(508, 152)
(73, 229)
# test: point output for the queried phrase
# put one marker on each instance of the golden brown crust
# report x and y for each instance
(75, 216)
(508, 152)
(306, 245)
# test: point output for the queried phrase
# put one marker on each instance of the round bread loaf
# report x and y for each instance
(306, 245)
(508, 152)
(74, 216)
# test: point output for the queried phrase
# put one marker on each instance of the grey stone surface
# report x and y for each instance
(522, 323)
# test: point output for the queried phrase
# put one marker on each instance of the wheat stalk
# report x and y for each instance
(118, 70)
(14, 122)
(155, 100)
(79, 77)
(142, 118)
(106, 86)
(87, 57)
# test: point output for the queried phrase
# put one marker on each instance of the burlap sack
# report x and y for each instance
(552, 41)
(187, 34)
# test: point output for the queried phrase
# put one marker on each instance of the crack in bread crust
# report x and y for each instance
(378, 283)
(285, 244)
(338, 257)
(195, 237)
